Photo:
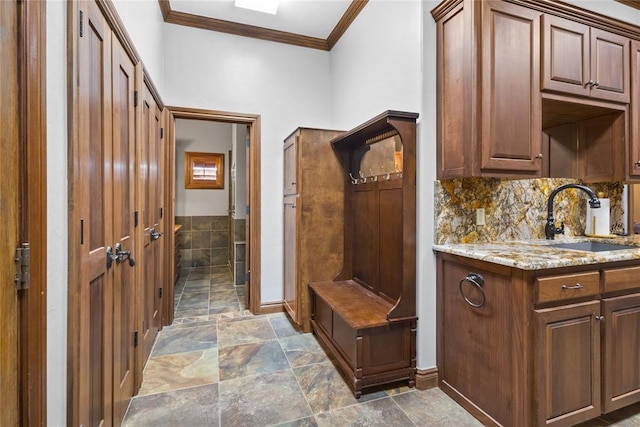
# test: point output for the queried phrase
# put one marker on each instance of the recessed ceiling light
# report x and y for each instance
(266, 6)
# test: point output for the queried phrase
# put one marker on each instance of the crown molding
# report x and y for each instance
(205, 23)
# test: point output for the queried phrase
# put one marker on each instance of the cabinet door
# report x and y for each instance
(511, 101)
(290, 257)
(634, 142)
(621, 363)
(291, 164)
(609, 66)
(567, 364)
(565, 56)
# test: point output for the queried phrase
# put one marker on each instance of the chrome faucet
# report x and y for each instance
(550, 229)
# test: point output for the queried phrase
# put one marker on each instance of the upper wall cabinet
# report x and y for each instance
(488, 100)
(584, 61)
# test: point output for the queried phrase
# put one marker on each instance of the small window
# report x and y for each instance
(203, 170)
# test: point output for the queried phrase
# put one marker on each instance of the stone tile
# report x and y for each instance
(219, 257)
(193, 300)
(201, 257)
(201, 239)
(184, 239)
(212, 323)
(433, 407)
(325, 389)
(282, 325)
(186, 258)
(240, 229)
(249, 331)
(220, 239)
(201, 223)
(303, 422)
(240, 273)
(182, 341)
(184, 221)
(197, 406)
(240, 253)
(303, 350)
(229, 308)
(219, 287)
(192, 312)
(223, 294)
(381, 412)
(199, 273)
(177, 371)
(251, 359)
(220, 222)
(262, 400)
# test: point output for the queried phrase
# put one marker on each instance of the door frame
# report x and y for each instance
(253, 122)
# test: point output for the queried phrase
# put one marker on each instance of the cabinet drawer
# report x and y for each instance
(569, 286)
(621, 279)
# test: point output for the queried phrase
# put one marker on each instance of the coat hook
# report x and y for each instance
(363, 178)
(353, 180)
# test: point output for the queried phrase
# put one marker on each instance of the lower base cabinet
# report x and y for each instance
(538, 348)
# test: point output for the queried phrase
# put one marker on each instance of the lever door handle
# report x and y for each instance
(123, 255)
(155, 235)
(110, 257)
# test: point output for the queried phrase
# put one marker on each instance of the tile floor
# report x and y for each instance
(218, 365)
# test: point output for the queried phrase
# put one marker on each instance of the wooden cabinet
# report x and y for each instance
(567, 364)
(633, 159)
(533, 348)
(489, 99)
(313, 217)
(365, 318)
(584, 61)
(509, 70)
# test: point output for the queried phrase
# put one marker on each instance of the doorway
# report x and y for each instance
(252, 211)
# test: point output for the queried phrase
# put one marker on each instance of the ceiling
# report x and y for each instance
(316, 24)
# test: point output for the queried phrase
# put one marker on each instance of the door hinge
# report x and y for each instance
(135, 338)
(247, 277)
(161, 212)
(23, 267)
(135, 219)
(247, 210)
(81, 25)
(159, 292)
(161, 133)
(135, 98)
(248, 142)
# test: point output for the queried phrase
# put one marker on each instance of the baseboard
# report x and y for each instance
(270, 308)
(426, 378)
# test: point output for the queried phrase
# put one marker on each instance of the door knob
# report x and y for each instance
(123, 255)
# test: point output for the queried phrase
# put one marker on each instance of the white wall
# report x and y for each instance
(206, 137)
(57, 229)
(287, 86)
(144, 23)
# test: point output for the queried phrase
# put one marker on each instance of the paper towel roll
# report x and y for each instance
(598, 219)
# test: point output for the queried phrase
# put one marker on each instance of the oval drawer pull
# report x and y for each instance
(576, 286)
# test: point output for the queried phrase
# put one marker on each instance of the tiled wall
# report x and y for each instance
(203, 240)
(514, 209)
(238, 231)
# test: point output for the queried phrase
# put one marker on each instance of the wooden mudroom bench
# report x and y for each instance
(366, 317)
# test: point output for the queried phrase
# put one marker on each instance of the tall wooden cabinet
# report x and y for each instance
(313, 217)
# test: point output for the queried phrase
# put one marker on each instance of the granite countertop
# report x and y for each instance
(537, 255)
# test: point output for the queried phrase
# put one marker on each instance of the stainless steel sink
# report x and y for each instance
(592, 246)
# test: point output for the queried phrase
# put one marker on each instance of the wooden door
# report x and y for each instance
(567, 364)
(291, 164)
(620, 367)
(96, 284)
(151, 200)
(290, 257)
(565, 56)
(123, 163)
(609, 66)
(511, 102)
(9, 196)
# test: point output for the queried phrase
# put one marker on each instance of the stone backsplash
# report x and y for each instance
(514, 209)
